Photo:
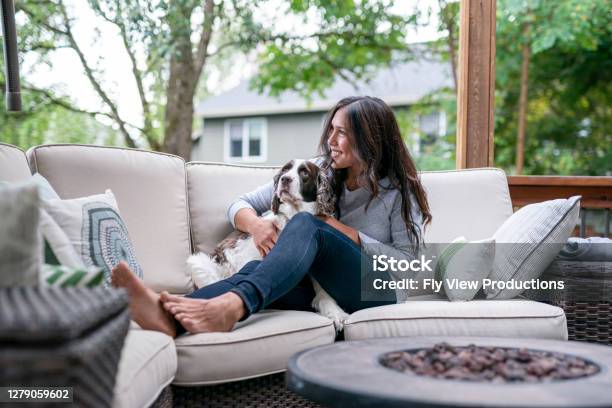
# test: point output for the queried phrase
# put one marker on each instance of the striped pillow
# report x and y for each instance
(64, 276)
(528, 242)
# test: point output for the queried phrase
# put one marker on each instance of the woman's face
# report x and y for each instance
(340, 143)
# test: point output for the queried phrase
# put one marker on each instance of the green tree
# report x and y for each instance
(169, 45)
(558, 53)
(46, 119)
(566, 86)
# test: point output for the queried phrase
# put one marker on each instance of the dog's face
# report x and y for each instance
(299, 182)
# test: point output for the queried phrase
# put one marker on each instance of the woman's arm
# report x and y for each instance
(258, 200)
(264, 232)
(244, 216)
(401, 245)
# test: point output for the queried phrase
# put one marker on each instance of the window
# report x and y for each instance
(246, 140)
(432, 127)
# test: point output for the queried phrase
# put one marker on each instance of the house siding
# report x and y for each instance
(290, 136)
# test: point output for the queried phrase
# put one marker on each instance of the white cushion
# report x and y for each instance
(260, 345)
(472, 203)
(529, 241)
(431, 316)
(147, 365)
(212, 188)
(151, 192)
(13, 164)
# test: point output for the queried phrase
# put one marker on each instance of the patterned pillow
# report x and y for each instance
(65, 276)
(95, 229)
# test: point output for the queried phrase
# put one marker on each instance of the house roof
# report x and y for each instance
(400, 85)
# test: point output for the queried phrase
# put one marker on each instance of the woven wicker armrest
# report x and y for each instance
(586, 298)
(41, 314)
(63, 337)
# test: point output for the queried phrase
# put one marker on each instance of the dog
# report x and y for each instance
(299, 186)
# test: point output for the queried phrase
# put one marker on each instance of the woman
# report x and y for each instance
(381, 209)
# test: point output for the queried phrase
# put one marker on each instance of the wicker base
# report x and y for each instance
(263, 392)
(588, 321)
(164, 400)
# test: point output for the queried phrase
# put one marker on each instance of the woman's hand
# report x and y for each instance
(352, 233)
(264, 233)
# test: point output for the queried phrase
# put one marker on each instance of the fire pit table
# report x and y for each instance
(376, 373)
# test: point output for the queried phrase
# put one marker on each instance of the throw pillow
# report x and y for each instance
(20, 244)
(96, 230)
(45, 191)
(64, 276)
(58, 249)
(462, 266)
(528, 242)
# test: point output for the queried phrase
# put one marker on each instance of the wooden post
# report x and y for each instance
(476, 91)
(522, 117)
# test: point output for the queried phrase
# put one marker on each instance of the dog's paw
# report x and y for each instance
(338, 320)
(338, 316)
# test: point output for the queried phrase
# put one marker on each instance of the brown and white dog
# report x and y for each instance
(299, 186)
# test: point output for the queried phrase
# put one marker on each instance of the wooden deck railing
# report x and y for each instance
(596, 193)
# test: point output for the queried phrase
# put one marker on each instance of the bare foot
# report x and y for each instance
(145, 305)
(218, 314)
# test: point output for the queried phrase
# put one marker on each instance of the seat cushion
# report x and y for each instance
(212, 188)
(471, 203)
(147, 365)
(151, 194)
(13, 164)
(260, 345)
(430, 315)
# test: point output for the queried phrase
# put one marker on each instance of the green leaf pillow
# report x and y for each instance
(65, 276)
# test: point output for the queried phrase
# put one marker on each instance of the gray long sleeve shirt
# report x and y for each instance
(381, 228)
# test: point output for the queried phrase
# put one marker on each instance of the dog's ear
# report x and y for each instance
(326, 200)
(275, 203)
(275, 199)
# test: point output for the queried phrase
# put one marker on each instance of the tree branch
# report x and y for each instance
(90, 75)
(119, 22)
(43, 47)
(68, 106)
(42, 22)
(339, 71)
(207, 27)
(451, 41)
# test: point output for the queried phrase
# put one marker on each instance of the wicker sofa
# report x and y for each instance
(172, 208)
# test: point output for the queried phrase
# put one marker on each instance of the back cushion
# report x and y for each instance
(212, 188)
(13, 164)
(472, 203)
(151, 194)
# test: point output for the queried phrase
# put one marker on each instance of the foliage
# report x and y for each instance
(430, 152)
(44, 121)
(353, 40)
(569, 115)
(170, 44)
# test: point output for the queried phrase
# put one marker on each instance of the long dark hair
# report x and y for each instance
(378, 145)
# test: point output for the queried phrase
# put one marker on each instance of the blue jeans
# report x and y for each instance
(306, 246)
